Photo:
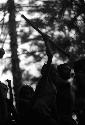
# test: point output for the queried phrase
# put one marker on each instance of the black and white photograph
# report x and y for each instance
(42, 62)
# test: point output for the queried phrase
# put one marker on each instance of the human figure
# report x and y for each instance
(24, 104)
(44, 106)
(64, 95)
(79, 82)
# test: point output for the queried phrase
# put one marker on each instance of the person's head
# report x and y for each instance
(52, 71)
(26, 92)
(64, 71)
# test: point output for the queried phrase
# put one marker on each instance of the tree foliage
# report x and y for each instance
(72, 16)
(68, 17)
(62, 20)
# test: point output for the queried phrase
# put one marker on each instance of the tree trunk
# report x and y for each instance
(16, 72)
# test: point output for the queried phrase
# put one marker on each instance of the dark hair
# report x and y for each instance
(64, 71)
(26, 91)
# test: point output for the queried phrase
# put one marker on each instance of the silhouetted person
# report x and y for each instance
(79, 82)
(64, 95)
(26, 93)
(45, 103)
(44, 107)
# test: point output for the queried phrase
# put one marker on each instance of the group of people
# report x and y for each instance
(54, 101)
